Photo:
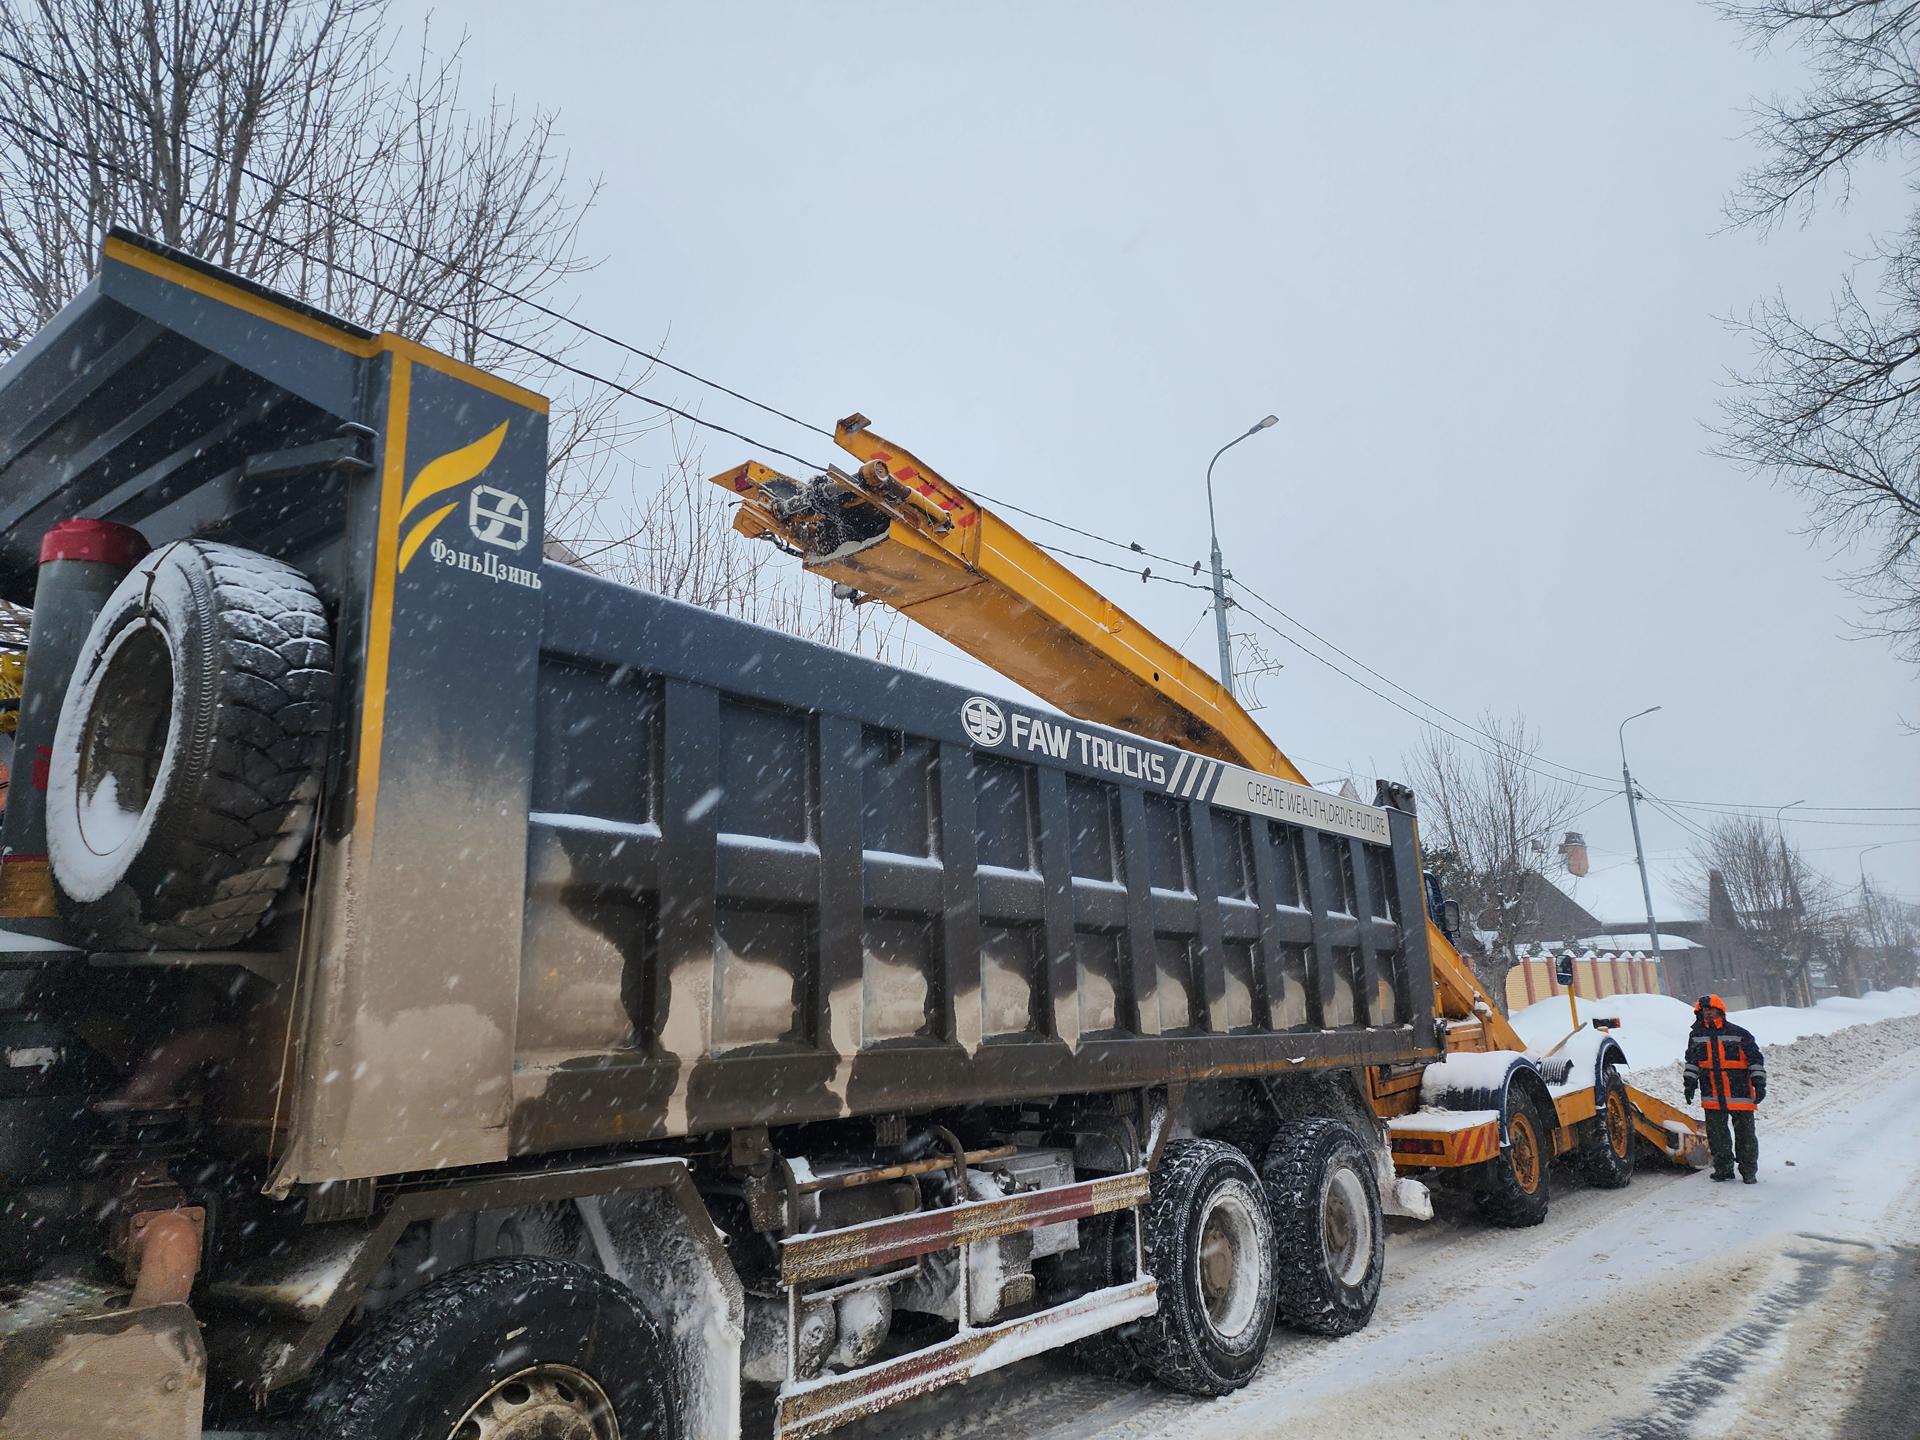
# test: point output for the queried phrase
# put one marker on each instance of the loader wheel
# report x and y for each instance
(1606, 1141)
(1513, 1188)
(1329, 1233)
(515, 1349)
(1209, 1244)
(187, 757)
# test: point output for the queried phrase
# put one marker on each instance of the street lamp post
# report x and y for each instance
(1219, 572)
(1779, 831)
(1633, 816)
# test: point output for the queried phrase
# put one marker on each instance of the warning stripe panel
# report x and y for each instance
(1444, 1148)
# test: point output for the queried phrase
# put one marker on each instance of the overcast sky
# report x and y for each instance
(1468, 255)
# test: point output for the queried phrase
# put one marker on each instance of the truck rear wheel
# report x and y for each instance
(187, 757)
(1209, 1244)
(1606, 1141)
(516, 1349)
(1513, 1189)
(1329, 1234)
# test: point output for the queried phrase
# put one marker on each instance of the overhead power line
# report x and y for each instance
(366, 227)
(1253, 594)
(519, 345)
(1573, 775)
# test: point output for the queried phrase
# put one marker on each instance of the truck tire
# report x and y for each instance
(1606, 1141)
(522, 1346)
(1329, 1232)
(1209, 1244)
(1512, 1190)
(187, 757)
(1104, 1258)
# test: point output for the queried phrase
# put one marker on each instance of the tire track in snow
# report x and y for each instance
(1712, 1376)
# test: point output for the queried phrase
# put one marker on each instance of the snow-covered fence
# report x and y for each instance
(1596, 975)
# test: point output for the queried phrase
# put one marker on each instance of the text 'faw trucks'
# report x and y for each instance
(445, 994)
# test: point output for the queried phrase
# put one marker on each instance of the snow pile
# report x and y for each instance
(1653, 1028)
(1796, 1070)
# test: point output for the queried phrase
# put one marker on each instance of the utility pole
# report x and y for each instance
(1633, 816)
(1872, 914)
(1219, 571)
(1788, 894)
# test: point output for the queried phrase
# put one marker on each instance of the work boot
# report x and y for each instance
(1723, 1175)
(1749, 1179)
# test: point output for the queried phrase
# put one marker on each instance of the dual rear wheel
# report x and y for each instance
(1301, 1240)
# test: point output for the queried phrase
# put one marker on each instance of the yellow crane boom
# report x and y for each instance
(893, 529)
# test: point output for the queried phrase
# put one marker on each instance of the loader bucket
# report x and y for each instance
(1677, 1135)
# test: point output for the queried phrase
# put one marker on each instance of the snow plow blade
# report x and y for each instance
(1677, 1135)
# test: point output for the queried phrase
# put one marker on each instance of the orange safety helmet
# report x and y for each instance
(1709, 1002)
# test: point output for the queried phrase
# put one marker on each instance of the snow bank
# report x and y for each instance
(1653, 1028)
(1805, 1069)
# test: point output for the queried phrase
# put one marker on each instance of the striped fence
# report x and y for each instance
(1596, 975)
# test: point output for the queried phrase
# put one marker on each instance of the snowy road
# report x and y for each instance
(1675, 1310)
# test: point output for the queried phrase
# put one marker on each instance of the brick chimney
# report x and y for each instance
(1573, 850)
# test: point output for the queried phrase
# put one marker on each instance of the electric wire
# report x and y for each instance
(654, 357)
(1140, 575)
(1507, 754)
(519, 345)
(333, 212)
(1131, 546)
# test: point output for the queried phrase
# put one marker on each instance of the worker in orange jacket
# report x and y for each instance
(1725, 1065)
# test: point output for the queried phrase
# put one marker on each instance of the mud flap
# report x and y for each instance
(147, 1368)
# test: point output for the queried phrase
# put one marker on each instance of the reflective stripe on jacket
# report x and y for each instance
(1724, 1062)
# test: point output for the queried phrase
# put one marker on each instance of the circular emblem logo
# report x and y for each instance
(985, 725)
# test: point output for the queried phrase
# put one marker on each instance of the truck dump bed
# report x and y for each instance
(769, 881)
(625, 869)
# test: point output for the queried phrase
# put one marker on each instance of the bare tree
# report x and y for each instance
(1885, 932)
(278, 139)
(1489, 817)
(1831, 404)
(1787, 910)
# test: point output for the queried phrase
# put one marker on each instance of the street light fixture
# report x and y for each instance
(1219, 573)
(1633, 816)
(1863, 865)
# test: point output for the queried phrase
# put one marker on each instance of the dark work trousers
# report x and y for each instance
(1728, 1141)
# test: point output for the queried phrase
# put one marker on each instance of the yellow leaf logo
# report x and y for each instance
(439, 475)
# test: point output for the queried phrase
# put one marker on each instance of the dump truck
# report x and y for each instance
(446, 994)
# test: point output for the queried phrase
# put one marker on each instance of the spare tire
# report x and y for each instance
(187, 757)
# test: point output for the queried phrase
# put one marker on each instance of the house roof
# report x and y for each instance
(1611, 894)
(1639, 941)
